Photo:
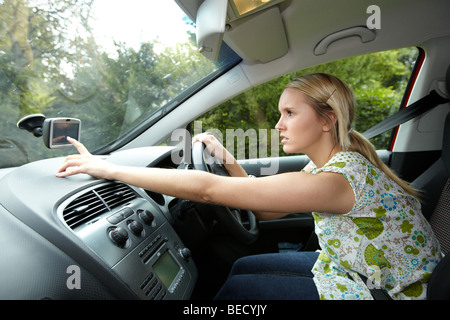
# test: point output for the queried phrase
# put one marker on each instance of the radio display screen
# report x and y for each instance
(166, 269)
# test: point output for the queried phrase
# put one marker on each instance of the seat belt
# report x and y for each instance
(428, 102)
(377, 293)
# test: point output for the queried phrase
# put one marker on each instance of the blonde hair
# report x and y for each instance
(333, 100)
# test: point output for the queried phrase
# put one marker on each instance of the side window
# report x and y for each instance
(246, 122)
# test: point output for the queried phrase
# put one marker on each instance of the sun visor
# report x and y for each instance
(258, 37)
(210, 21)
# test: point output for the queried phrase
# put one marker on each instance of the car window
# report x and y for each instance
(379, 81)
(116, 65)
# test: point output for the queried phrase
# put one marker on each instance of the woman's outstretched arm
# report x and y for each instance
(283, 193)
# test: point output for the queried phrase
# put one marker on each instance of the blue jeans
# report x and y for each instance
(275, 276)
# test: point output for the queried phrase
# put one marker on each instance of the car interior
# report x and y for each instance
(83, 238)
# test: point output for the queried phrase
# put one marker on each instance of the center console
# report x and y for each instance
(133, 237)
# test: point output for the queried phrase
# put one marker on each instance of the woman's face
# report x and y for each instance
(301, 130)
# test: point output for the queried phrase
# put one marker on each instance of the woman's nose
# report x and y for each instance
(279, 126)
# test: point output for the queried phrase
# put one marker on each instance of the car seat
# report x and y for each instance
(435, 184)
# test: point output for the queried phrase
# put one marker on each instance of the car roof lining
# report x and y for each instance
(303, 31)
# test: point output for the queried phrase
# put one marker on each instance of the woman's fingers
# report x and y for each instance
(211, 143)
(205, 137)
(72, 162)
(78, 145)
(75, 163)
(91, 165)
(68, 172)
(215, 148)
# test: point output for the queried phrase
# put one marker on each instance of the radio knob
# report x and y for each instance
(146, 216)
(185, 253)
(119, 236)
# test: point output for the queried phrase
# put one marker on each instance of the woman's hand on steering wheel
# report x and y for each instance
(214, 147)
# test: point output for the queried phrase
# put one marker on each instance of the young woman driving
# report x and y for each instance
(368, 221)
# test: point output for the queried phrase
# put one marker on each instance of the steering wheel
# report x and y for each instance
(228, 217)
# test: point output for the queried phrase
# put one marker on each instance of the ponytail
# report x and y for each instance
(360, 144)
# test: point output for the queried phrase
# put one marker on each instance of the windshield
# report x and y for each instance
(115, 65)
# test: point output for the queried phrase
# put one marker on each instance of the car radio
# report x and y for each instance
(134, 238)
(159, 268)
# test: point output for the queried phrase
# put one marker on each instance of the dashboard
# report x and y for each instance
(83, 238)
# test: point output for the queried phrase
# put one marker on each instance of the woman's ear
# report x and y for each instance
(329, 122)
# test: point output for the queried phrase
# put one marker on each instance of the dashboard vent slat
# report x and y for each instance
(83, 209)
(116, 195)
(97, 202)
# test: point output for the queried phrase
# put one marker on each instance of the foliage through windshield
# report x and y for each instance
(118, 64)
(110, 63)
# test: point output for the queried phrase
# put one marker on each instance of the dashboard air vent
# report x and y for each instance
(96, 202)
(116, 194)
(83, 209)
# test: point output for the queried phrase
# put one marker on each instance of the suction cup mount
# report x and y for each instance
(32, 123)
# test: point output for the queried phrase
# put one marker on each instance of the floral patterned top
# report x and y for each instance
(384, 237)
